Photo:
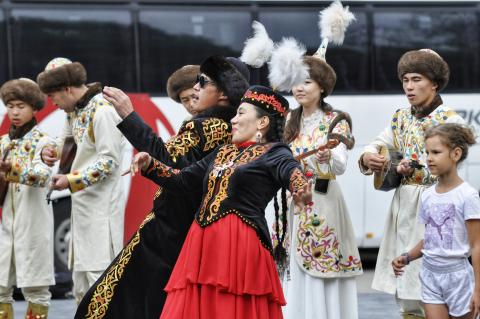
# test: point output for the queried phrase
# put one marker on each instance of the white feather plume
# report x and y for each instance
(334, 21)
(287, 68)
(258, 49)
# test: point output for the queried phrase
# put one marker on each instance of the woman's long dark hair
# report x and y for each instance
(275, 134)
(293, 125)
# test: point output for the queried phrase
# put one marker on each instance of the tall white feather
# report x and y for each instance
(286, 66)
(258, 49)
(334, 21)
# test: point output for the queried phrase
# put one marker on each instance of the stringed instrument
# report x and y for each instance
(69, 151)
(388, 178)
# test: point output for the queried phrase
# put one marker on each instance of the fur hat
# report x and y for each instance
(266, 99)
(230, 74)
(181, 80)
(426, 62)
(322, 73)
(60, 73)
(24, 90)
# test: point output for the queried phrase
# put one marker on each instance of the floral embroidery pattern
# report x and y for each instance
(105, 290)
(82, 120)
(319, 248)
(94, 173)
(24, 171)
(313, 134)
(408, 134)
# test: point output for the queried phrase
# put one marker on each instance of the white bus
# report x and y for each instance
(136, 44)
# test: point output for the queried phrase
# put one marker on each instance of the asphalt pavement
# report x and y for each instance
(372, 305)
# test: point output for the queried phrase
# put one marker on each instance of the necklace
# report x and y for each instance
(219, 169)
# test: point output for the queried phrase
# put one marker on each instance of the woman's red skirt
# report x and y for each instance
(223, 271)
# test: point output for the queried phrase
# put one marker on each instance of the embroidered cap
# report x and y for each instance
(266, 99)
(60, 73)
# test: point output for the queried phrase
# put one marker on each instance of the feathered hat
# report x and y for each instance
(333, 22)
(24, 90)
(60, 73)
(181, 80)
(285, 60)
(426, 62)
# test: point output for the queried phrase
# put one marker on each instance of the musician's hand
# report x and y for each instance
(323, 156)
(120, 101)
(140, 161)
(59, 182)
(5, 166)
(373, 161)
(302, 197)
(398, 264)
(49, 155)
(404, 168)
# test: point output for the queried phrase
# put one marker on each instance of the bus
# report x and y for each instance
(136, 44)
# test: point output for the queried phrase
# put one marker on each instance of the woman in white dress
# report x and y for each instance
(324, 258)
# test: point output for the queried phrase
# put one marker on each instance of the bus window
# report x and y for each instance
(350, 60)
(172, 38)
(453, 34)
(101, 40)
(3, 50)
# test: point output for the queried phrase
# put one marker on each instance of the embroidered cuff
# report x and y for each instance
(297, 180)
(76, 182)
(364, 169)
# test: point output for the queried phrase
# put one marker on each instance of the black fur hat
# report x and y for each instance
(426, 62)
(182, 79)
(60, 73)
(230, 74)
(24, 90)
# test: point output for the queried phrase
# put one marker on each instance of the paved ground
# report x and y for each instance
(372, 305)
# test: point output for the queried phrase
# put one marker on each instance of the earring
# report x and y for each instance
(258, 137)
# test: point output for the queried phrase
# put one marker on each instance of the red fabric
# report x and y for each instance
(223, 271)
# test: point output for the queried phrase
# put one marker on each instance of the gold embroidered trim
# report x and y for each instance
(297, 180)
(105, 290)
(180, 144)
(216, 132)
(226, 161)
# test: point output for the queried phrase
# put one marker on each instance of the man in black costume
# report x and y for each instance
(132, 286)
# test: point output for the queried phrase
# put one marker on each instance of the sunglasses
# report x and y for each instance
(202, 80)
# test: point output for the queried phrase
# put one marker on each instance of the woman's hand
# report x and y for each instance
(302, 197)
(398, 264)
(140, 161)
(323, 156)
(404, 168)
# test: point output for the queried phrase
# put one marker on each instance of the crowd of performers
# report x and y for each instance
(205, 249)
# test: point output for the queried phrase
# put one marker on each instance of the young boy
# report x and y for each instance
(26, 227)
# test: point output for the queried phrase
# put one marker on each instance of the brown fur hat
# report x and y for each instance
(182, 79)
(60, 73)
(426, 62)
(24, 90)
(322, 73)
